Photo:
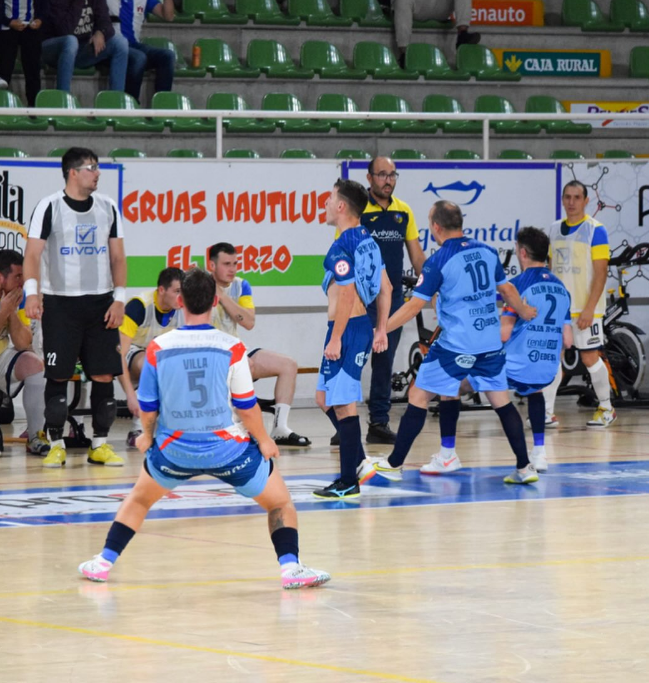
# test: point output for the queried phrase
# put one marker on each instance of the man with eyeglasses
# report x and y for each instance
(392, 224)
(75, 248)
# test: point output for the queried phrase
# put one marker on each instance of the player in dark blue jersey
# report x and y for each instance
(466, 275)
(533, 348)
(354, 277)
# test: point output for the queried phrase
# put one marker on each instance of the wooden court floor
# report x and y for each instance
(469, 583)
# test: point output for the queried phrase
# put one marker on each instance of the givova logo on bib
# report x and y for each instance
(465, 361)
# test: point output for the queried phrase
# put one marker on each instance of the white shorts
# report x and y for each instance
(8, 382)
(590, 339)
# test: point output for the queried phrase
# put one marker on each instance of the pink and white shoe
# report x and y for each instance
(441, 464)
(296, 575)
(96, 569)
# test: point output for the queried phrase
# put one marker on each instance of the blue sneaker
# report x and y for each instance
(338, 491)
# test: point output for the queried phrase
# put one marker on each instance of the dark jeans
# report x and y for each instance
(381, 382)
(142, 57)
(29, 41)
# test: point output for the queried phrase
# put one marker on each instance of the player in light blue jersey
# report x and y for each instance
(196, 385)
(533, 348)
(354, 277)
(466, 275)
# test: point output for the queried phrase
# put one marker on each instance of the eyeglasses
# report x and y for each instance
(386, 176)
(93, 168)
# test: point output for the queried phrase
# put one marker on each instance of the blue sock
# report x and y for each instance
(109, 555)
(513, 427)
(411, 424)
(536, 413)
(331, 414)
(117, 539)
(449, 411)
(286, 559)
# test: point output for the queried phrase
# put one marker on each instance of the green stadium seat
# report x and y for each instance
(180, 17)
(182, 70)
(566, 154)
(494, 104)
(587, 15)
(631, 13)
(232, 102)
(297, 154)
(213, 12)
(325, 59)
(57, 152)
(408, 154)
(274, 60)
(353, 154)
(515, 154)
(112, 99)
(481, 62)
(462, 155)
(219, 59)
(12, 153)
(265, 12)
(342, 103)
(394, 104)
(17, 123)
(545, 104)
(379, 62)
(316, 13)
(177, 102)
(241, 154)
(365, 13)
(286, 102)
(639, 62)
(126, 153)
(430, 62)
(59, 99)
(185, 154)
(618, 154)
(433, 23)
(445, 104)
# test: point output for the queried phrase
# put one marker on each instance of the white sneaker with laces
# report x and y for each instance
(365, 471)
(527, 475)
(96, 569)
(296, 575)
(602, 418)
(551, 421)
(440, 464)
(383, 468)
(538, 459)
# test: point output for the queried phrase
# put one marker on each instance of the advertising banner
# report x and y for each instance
(601, 107)
(507, 12)
(595, 63)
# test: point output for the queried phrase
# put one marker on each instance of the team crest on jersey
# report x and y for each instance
(465, 244)
(341, 268)
(465, 361)
(420, 280)
(398, 218)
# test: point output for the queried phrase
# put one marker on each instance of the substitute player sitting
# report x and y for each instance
(200, 417)
(146, 317)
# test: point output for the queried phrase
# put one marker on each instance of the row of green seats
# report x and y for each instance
(586, 14)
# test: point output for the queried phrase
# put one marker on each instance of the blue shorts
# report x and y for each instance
(341, 379)
(525, 388)
(442, 371)
(247, 473)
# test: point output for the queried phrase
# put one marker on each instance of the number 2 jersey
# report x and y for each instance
(534, 348)
(466, 273)
(195, 377)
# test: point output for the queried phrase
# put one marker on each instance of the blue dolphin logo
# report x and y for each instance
(458, 186)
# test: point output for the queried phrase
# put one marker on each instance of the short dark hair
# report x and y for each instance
(536, 243)
(219, 247)
(8, 258)
(447, 215)
(575, 183)
(168, 276)
(198, 289)
(353, 194)
(74, 157)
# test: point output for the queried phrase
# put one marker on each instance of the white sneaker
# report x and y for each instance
(551, 421)
(538, 459)
(383, 468)
(296, 575)
(441, 465)
(96, 569)
(527, 475)
(365, 471)
(602, 418)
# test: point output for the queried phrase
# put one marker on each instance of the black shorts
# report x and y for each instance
(74, 329)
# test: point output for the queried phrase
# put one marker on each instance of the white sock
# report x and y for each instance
(34, 403)
(280, 423)
(550, 392)
(57, 442)
(136, 425)
(447, 452)
(98, 441)
(538, 450)
(601, 384)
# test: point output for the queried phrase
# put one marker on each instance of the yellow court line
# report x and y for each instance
(212, 650)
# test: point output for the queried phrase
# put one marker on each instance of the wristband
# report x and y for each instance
(30, 287)
(119, 294)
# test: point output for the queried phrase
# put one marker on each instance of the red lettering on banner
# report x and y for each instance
(293, 216)
(181, 210)
(308, 207)
(199, 212)
(165, 212)
(273, 198)
(147, 202)
(282, 259)
(128, 210)
(146, 206)
(252, 259)
(258, 208)
(250, 255)
(180, 257)
(242, 210)
(224, 206)
(322, 200)
(265, 256)
(273, 207)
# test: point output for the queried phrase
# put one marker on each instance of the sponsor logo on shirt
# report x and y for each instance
(465, 361)
(387, 235)
(361, 358)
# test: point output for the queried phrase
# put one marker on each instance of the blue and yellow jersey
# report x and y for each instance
(355, 258)
(534, 348)
(5, 339)
(241, 293)
(465, 272)
(144, 320)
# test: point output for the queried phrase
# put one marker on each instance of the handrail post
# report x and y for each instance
(485, 139)
(219, 136)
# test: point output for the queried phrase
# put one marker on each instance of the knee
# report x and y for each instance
(27, 365)
(320, 401)
(169, 59)
(136, 60)
(119, 44)
(69, 45)
(289, 366)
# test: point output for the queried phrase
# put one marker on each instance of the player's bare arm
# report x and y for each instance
(125, 377)
(242, 316)
(416, 255)
(512, 298)
(407, 312)
(115, 313)
(345, 300)
(145, 440)
(507, 323)
(600, 275)
(19, 333)
(383, 301)
(568, 339)
(32, 271)
(254, 424)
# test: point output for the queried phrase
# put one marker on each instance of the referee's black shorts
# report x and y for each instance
(74, 329)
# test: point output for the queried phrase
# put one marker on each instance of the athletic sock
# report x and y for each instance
(550, 392)
(536, 413)
(601, 384)
(513, 427)
(56, 397)
(449, 411)
(34, 403)
(102, 407)
(119, 536)
(411, 424)
(349, 429)
(280, 422)
(285, 542)
(331, 414)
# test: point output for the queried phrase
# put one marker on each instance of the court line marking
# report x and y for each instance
(217, 651)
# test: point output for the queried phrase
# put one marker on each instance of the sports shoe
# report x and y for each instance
(441, 465)
(538, 459)
(365, 471)
(338, 491)
(291, 439)
(55, 457)
(380, 432)
(104, 455)
(467, 38)
(39, 445)
(385, 470)
(551, 421)
(96, 569)
(132, 436)
(296, 575)
(524, 476)
(602, 418)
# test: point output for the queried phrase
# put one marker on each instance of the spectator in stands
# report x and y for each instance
(407, 11)
(79, 33)
(20, 27)
(129, 16)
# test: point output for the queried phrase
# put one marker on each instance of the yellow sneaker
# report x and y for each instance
(55, 457)
(104, 455)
